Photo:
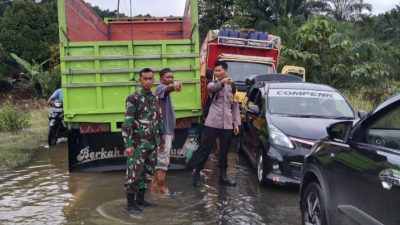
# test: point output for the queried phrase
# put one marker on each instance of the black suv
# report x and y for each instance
(281, 122)
(353, 176)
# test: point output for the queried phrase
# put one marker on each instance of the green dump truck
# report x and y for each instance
(100, 64)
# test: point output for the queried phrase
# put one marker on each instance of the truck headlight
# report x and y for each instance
(278, 138)
(57, 104)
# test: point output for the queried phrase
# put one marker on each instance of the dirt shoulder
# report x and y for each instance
(18, 148)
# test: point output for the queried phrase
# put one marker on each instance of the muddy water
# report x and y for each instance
(43, 192)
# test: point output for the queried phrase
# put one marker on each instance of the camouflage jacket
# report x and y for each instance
(143, 121)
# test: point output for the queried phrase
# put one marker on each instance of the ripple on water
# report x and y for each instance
(33, 196)
(45, 193)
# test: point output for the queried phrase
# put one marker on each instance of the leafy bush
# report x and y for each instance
(54, 55)
(12, 119)
(49, 81)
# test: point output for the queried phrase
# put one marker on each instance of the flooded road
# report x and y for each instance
(44, 192)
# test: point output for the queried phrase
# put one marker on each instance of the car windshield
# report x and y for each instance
(239, 71)
(308, 103)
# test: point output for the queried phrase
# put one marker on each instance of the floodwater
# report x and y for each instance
(44, 192)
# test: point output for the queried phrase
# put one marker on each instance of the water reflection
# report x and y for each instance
(45, 193)
(33, 195)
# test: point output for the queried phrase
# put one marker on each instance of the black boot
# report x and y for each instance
(223, 179)
(196, 178)
(140, 198)
(132, 206)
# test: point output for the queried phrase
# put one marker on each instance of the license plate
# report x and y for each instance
(57, 109)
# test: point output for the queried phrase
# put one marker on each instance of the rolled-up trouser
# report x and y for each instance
(163, 157)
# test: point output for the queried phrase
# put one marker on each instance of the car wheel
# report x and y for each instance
(52, 136)
(261, 169)
(313, 205)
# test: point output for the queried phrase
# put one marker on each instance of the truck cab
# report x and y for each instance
(295, 70)
(248, 53)
(242, 68)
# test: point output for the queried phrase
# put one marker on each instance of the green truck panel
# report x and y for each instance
(98, 76)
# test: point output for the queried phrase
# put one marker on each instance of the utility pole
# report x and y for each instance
(118, 11)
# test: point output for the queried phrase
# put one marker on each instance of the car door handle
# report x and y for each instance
(389, 177)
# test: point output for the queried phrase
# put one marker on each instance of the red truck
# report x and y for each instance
(248, 53)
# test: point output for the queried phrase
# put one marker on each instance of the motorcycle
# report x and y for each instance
(57, 126)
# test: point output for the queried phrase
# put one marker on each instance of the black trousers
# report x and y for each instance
(208, 137)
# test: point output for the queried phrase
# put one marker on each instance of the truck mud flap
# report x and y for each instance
(100, 152)
(96, 152)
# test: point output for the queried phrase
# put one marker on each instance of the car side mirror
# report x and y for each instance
(209, 74)
(340, 132)
(361, 114)
(253, 109)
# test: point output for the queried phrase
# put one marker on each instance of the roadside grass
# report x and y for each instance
(18, 148)
(360, 103)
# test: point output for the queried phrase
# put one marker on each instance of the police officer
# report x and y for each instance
(222, 120)
(142, 133)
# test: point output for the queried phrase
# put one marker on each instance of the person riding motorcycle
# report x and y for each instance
(57, 95)
(57, 127)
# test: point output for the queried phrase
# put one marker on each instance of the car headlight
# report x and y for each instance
(278, 138)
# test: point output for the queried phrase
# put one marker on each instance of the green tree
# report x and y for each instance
(3, 61)
(347, 9)
(321, 49)
(35, 75)
(3, 4)
(374, 72)
(4, 67)
(287, 28)
(213, 14)
(28, 29)
(49, 80)
(32, 69)
(262, 15)
(341, 55)
(106, 13)
(387, 26)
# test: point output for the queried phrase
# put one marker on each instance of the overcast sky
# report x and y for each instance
(153, 7)
(382, 5)
(176, 7)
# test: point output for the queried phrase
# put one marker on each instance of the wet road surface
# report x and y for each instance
(44, 192)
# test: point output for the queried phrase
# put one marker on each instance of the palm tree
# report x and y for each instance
(347, 9)
(262, 14)
(388, 25)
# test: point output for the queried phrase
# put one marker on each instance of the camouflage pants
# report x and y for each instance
(141, 166)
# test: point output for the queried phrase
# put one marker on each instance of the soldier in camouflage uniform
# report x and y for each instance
(142, 133)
